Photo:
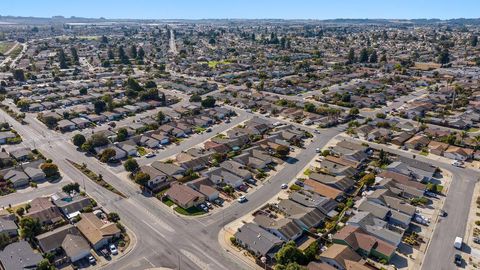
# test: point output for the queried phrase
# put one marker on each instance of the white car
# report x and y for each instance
(284, 186)
(457, 163)
(317, 150)
(91, 259)
(242, 199)
(150, 155)
(113, 249)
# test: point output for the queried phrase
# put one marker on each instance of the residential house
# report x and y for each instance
(8, 227)
(158, 180)
(97, 232)
(35, 174)
(363, 243)
(458, 153)
(19, 256)
(437, 148)
(285, 228)
(417, 142)
(306, 217)
(184, 196)
(17, 177)
(70, 205)
(342, 257)
(324, 190)
(44, 210)
(258, 241)
(52, 240)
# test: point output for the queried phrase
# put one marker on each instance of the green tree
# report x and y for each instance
(23, 104)
(383, 59)
(130, 165)
(383, 157)
(122, 134)
(108, 99)
(133, 52)
(123, 56)
(99, 106)
(74, 53)
(4, 240)
(142, 178)
(363, 56)
(354, 111)
(373, 57)
(195, 98)
(444, 57)
(309, 107)
(19, 75)
(351, 57)
(289, 253)
(282, 150)
(160, 117)
(30, 227)
(110, 54)
(62, 59)
(68, 188)
(132, 84)
(311, 251)
(107, 155)
(49, 169)
(150, 84)
(78, 139)
(208, 102)
(83, 91)
(50, 121)
(45, 264)
(98, 139)
(113, 217)
(474, 41)
(140, 53)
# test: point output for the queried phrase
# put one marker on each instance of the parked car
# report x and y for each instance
(430, 194)
(443, 213)
(209, 205)
(242, 199)
(317, 150)
(243, 188)
(284, 186)
(299, 183)
(458, 260)
(476, 240)
(92, 260)
(203, 207)
(457, 163)
(113, 249)
(208, 130)
(150, 155)
(252, 181)
(218, 202)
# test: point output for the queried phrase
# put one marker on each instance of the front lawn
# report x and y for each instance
(192, 211)
(168, 202)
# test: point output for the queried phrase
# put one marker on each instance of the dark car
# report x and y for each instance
(299, 183)
(458, 260)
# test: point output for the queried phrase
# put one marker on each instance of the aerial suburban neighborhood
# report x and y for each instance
(311, 143)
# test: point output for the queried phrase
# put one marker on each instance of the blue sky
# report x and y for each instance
(248, 9)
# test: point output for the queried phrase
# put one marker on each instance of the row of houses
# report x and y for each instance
(67, 241)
